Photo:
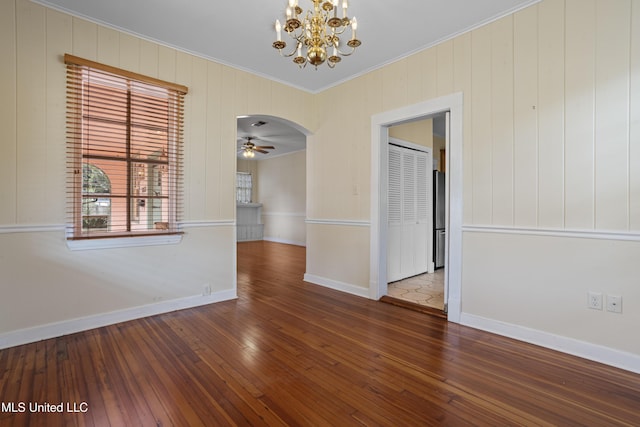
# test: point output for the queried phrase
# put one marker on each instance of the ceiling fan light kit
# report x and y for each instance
(249, 148)
(316, 32)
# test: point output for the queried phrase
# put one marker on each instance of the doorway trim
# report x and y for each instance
(380, 124)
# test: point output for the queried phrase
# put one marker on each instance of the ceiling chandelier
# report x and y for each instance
(316, 32)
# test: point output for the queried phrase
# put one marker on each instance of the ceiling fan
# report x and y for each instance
(249, 148)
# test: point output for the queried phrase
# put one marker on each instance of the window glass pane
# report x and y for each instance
(150, 123)
(104, 211)
(104, 138)
(149, 143)
(115, 171)
(94, 180)
(152, 214)
(96, 201)
(150, 192)
(106, 102)
(118, 214)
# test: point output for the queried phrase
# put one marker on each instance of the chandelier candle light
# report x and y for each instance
(317, 32)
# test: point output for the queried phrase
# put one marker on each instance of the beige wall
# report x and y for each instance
(282, 192)
(541, 282)
(419, 132)
(551, 142)
(42, 282)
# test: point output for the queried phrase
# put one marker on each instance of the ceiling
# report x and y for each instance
(240, 34)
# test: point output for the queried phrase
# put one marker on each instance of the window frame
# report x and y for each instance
(78, 153)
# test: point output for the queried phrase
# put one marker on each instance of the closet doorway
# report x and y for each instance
(410, 216)
(380, 127)
(416, 215)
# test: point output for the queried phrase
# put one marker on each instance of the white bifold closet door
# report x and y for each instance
(409, 197)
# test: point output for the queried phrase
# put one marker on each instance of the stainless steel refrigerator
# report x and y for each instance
(439, 219)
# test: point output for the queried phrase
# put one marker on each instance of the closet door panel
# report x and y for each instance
(409, 213)
(394, 234)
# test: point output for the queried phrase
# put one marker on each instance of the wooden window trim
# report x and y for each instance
(70, 59)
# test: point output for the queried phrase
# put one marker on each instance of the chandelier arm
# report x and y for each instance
(353, 49)
(339, 31)
(290, 54)
(297, 33)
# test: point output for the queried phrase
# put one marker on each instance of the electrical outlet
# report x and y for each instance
(594, 300)
(614, 303)
(206, 290)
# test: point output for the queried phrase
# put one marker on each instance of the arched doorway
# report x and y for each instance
(271, 182)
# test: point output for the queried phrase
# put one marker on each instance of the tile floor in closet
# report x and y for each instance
(424, 289)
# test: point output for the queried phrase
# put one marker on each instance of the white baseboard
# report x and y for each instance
(66, 327)
(338, 286)
(285, 241)
(597, 353)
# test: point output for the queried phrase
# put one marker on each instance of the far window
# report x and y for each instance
(244, 186)
(125, 152)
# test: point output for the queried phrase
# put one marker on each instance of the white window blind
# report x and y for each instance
(124, 152)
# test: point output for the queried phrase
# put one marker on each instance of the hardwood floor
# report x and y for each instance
(292, 353)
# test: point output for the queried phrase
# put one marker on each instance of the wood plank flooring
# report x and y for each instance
(292, 353)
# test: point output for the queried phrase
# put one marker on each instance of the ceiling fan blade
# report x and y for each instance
(260, 151)
(268, 138)
(266, 147)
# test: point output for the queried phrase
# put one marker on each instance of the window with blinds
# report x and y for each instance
(124, 152)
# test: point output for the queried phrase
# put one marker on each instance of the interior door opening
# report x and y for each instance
(271, 177)
(380, 127)
(416, 232)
